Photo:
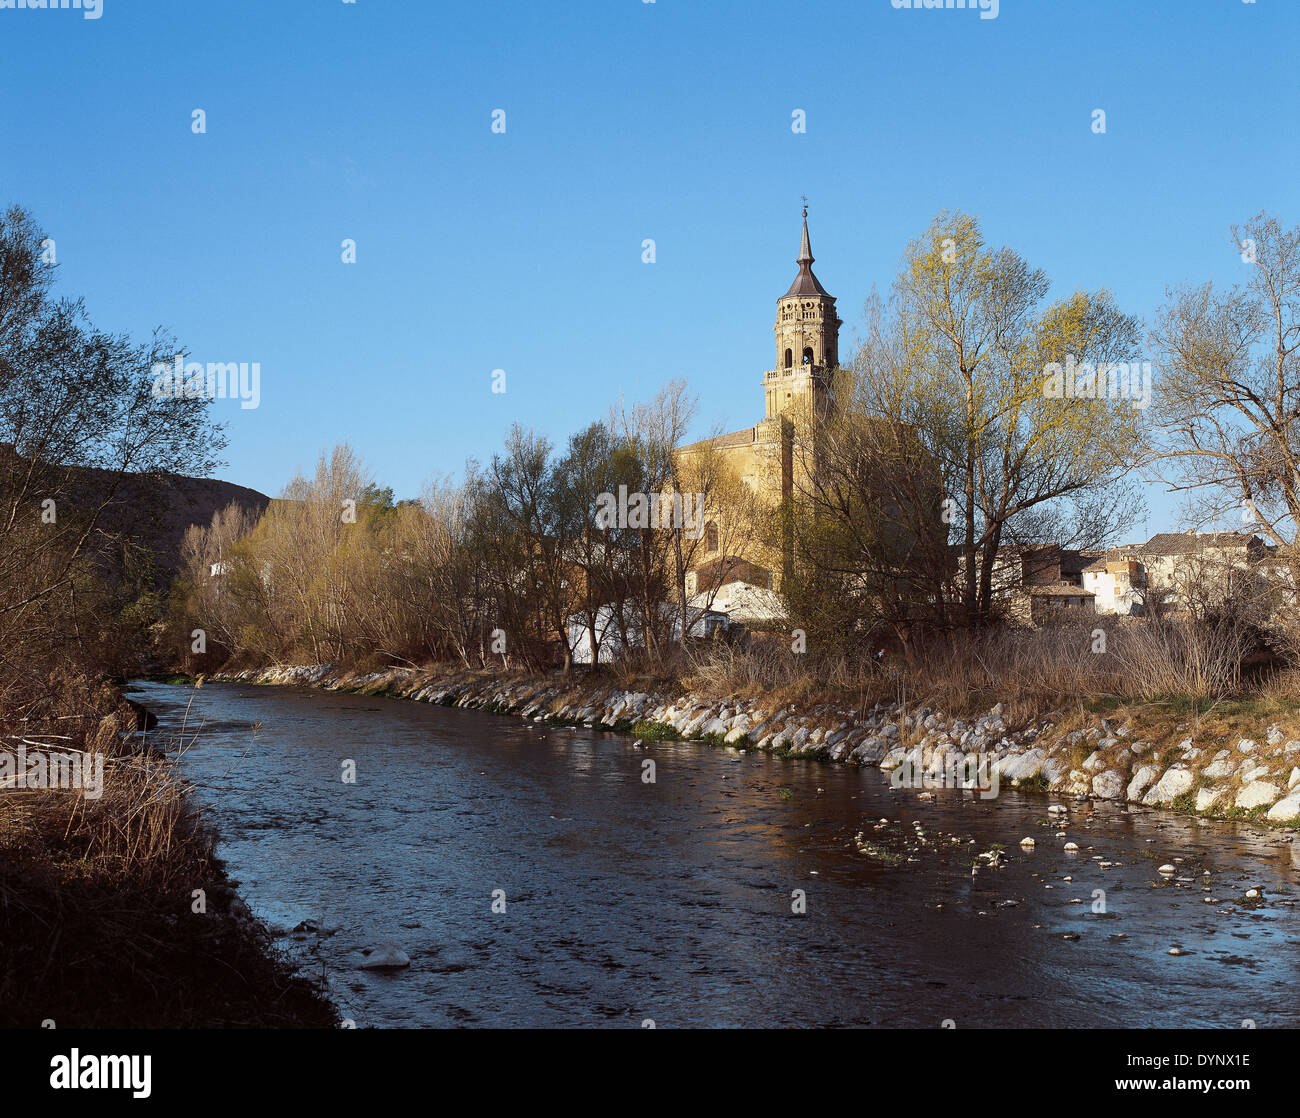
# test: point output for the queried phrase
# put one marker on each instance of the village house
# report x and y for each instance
(1117, 581)
(1046, 604)
(1036, 583)
(1177, 572)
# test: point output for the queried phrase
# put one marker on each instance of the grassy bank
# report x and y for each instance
(115, 912)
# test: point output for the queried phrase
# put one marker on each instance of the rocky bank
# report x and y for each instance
(1256, 779)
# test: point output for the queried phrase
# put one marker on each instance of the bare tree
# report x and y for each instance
(1227, 413)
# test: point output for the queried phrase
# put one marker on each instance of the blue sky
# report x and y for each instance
(625, 121)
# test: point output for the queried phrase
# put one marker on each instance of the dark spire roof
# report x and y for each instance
(805, 283)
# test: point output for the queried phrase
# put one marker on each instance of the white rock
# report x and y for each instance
(1170, 786)
(1221, 768)
(1286, 810)
(740, 726)
(1141, 781)
(1247, 746)
(1108, 785)
(1055, 769)
(1257, 795)
(1206, 798)
(839, 749)
(1020, 767)
(1027, 842)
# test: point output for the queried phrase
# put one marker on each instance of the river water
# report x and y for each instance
(627, 901)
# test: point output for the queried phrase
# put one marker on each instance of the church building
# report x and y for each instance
(773, 454)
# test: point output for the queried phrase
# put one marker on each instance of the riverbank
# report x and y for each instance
(1233, 761)
(537, 876)
(115, 911)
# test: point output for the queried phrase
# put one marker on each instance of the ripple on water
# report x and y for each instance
(674, 901)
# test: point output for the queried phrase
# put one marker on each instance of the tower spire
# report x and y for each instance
(805, 283)
(805, 249)
(807, 341)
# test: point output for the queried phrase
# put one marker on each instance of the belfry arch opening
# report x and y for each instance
(807, 355)
(789, 358)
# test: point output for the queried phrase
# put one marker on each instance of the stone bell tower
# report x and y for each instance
(807, 343)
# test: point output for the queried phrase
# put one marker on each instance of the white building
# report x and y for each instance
(703, 624)
(1118, 582)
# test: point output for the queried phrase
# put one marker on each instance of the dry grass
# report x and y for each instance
(96, 900)
(1029, 671)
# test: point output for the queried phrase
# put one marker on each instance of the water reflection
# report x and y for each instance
(673, 900)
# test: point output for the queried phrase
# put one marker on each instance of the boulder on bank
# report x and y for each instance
(1142, 780)
(1258, 793)
(1222, 767)
(1169, 787)
(1206, 798)
(1026, 766)
(1286, 810)
(1109, 785)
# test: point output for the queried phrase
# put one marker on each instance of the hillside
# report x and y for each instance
(154, 512)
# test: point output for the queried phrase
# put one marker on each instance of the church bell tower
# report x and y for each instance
(807, 343)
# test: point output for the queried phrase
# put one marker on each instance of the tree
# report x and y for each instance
(80, 425)
(1227, 416)
(649, 435)
(865, 527)
(585, 475)
(968, 355)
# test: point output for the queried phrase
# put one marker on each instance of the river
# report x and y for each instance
(673, 901)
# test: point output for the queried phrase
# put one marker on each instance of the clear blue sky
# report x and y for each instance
(625, 120)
